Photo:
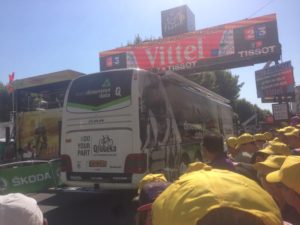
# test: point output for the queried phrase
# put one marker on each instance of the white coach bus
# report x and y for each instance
(119, 125)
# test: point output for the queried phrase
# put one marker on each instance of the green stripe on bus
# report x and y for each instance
(95, 108)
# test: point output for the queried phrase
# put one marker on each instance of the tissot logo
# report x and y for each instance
(257, 51)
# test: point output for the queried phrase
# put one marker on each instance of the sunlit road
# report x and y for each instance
(114, 208)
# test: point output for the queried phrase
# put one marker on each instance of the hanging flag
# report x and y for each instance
(9, 86)
(11, 77)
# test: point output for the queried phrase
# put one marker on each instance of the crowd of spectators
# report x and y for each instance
(254, 180)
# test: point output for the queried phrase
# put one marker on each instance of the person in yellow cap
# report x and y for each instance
(218, 197)
(150, 178)
(280, 133)
(271, 164)
(293, 141)
(268, 135)
(149, 193)
(150, 186)
(246, 148)
(287, 179)
(231, 144)
(260, 140)
(276, 148)
(272, 148)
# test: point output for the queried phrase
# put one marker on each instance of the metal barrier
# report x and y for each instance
(29, 176)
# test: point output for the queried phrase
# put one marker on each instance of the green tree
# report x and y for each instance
(138, 40)
(261, 113)
(5, 104)
(244, 109)
(222, 82)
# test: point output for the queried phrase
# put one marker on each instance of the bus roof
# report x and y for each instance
(196, 86)
(173, 75)
(48, 78)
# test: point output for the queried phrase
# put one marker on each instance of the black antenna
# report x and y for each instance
(262, 7)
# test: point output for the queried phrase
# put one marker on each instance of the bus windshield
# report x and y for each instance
(100, 92)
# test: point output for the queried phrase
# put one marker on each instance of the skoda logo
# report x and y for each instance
(3, 185)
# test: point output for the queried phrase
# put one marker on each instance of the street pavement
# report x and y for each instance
(84, 208)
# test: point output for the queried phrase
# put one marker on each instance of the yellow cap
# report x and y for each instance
(285, 129)
(298, 126)
(259, 137)
(276, 139)
(294, 132)
(268, 136)
(272, 162)
(267, 150)
(245, 138)
(194, 195)
(276, 148)
(288, 174)
(196, 166)
(150, 178)
(232, 142)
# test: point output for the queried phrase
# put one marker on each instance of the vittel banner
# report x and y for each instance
(226, 46)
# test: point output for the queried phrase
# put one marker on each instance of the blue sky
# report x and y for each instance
(40, 36)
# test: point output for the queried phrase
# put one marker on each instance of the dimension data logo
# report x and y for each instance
(106, 83)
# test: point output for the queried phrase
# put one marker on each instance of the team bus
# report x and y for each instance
(38, 104)
(119, 125)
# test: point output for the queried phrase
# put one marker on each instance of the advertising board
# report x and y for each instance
(39, 133)
(296, 104)
(177, 20)
(280, 111)
(226, 46)
(30, 176)
(275, 81)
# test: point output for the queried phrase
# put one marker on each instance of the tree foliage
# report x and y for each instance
(246, 109)
(5, 104)
(222, 82)
(227, 85)
(138, 40)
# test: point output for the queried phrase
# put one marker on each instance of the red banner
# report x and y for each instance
(277, 80)
(245, 42)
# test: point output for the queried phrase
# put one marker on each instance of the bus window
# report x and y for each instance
(106, 92)
(153, 111)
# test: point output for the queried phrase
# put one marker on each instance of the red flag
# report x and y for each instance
(11, 77)
(9, 86)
